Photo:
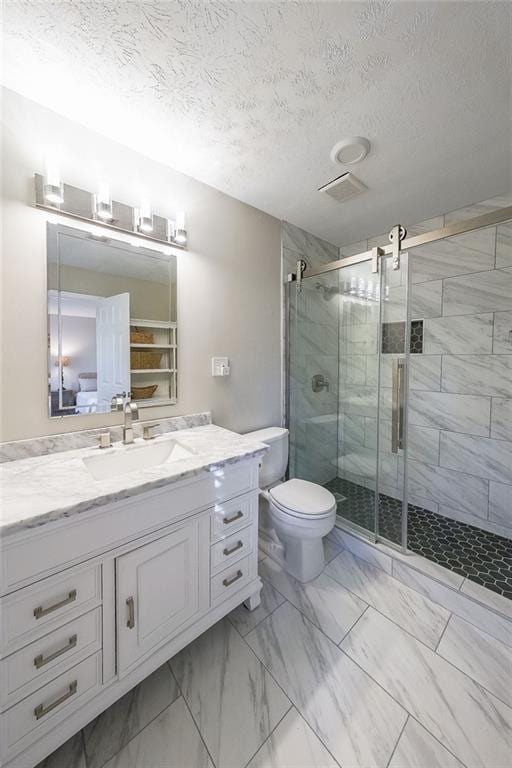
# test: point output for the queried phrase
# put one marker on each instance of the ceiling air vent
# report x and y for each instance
(343, 187)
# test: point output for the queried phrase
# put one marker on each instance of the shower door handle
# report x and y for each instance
(319, 382)
(397, 406)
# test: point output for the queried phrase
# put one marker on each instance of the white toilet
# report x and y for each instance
(301, 513)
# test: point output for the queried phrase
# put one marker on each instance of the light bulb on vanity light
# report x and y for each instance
(145, 216)
(53, 189)
(103, 203)
(180, 233)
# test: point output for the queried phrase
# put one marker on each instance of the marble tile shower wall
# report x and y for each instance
(460, 414)
(313, 350)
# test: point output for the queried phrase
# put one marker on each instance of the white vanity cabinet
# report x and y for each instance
(93, 603)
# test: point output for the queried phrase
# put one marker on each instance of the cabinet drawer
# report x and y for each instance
(231, 549)
(36, 610)
(231, 516)
(230, 580)
(43, 709)
(41, 661)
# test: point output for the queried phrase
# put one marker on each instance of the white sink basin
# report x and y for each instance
(125, 459)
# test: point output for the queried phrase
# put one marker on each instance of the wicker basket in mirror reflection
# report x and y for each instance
(144, 393)
(141, 337)
(144, 359)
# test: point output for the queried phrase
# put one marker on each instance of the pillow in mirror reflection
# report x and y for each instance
(87, 384)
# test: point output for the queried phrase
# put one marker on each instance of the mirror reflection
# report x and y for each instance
(111, 323)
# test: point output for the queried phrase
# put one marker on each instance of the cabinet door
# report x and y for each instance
(159, 589)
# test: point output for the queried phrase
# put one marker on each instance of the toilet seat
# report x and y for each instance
(303, 500)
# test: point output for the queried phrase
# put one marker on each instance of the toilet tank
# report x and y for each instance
(275, 460)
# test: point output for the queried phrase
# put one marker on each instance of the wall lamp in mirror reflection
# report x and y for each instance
(54, 195)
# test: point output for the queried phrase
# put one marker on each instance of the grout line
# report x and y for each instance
(471, 600)
(135, 734)
(385, 615)
(476, 682)
(411, 717)
(353, 625)
(268, 737)
(82, 738)
(168, 662)
(357, 664)
(264, 617)
(442, 633)
(398, 740)
(292, 705)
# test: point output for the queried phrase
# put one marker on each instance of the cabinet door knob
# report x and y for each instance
(130, 623)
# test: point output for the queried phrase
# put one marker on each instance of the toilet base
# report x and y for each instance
(303, 558)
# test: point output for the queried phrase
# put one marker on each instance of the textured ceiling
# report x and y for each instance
(250, 96)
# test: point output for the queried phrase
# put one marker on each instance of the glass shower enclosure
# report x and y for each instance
(349, 346)
(399, 389)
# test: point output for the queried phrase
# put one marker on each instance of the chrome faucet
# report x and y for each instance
(131, 413)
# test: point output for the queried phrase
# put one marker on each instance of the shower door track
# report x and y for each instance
(458, 228)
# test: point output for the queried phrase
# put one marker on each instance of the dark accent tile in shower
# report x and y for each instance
(481, 556)
(416, 337)
(393, 338)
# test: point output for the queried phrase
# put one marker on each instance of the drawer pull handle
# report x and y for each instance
(229, 582)
(40, 660)
(229, 550)
(228, 520)
(40, 711)
(39, 612)
(130, 623)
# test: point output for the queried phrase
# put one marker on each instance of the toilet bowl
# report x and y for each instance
(301, 513)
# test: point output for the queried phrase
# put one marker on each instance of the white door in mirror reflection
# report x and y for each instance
(112, 347)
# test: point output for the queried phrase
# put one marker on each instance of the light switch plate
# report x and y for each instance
(220, 366)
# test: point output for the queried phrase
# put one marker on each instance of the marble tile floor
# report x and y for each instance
(353, 670)
(480, 556)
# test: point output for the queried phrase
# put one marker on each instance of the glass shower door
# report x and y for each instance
(348, 350)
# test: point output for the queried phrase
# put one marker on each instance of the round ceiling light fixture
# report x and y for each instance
(350, 151)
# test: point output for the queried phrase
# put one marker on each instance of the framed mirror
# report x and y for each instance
(111, 323)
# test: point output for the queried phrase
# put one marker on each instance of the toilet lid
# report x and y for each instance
(301, 497)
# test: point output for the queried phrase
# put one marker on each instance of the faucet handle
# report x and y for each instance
(147, 431)
(117, 402)
(104, 440)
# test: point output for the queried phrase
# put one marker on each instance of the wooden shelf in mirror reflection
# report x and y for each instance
(153, 370)
(153, 346)
(159, 336)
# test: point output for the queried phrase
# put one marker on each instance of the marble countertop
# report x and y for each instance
(41, 489)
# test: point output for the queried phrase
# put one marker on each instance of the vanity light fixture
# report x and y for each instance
(53, 189)
(100, 210)
(103, 203)
(145, 217)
